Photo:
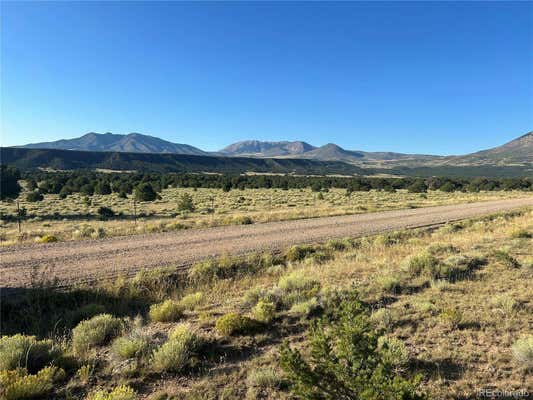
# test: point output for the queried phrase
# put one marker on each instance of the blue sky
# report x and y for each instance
(442, 78)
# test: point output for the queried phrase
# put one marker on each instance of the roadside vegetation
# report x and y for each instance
(81, 206)
(427, 313)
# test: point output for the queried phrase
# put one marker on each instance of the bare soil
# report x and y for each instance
(92, 260)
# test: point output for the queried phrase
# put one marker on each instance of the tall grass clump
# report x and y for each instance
(94, 332)
(19, 385)
(121, 392)
(523, 352)
(21, 351)
(192, 300)
(296, 287)
(177, 352)
(167, 311)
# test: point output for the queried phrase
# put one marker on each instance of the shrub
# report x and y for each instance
(192, 300)
(389, 283)
(94, 332)
(264, 311)
(84, 373)
(122, 392)
(305, 308)
(167, 311)
(296, 288)
(505, 303)
(299, 252)
(242, 220)
(235, 324)
(18, 385)
(34, 196)
(393, 351)
(48, 239)
(521, 234)
(507, 260)
(145, 192)
(176, 353)
(185, 203)
(26, 352)
(339, 244)
(523, 352)
(129, 347)
(264, 378)
(105, 213)
(345, 361)
(382, 319)
(420, 264)
(452, 316)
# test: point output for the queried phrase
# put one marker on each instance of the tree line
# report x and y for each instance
(147, 186)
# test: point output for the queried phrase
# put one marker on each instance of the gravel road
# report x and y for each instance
(87, 261)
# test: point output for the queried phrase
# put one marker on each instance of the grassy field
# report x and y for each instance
(76, 218)
(457, 299)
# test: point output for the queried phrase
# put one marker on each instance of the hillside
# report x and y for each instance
(131, 143)
(148, 162)
(266, 149)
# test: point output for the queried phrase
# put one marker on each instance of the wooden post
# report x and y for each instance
(134, 210)
(18, 215)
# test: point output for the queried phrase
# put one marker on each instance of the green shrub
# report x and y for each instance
(18, 385)
(424, 263)
(382, 318)
(167, 311)
(129, 347)
(185, 203)
(264, 311)
(176, 353)
(393, 351)
(505, 303)
(192, 300)
(296, 288)
(242, 220)
(452, 316)
(345, 361)
(34, 196)
(122, 392)
(105, 213)
(84, 373)
(299, 252)
(305, 308)
(264, 378)
(48, 239)
(339, 244)
(236, 324)
(94, 332)
(389, 283)
(26, 352)
(523, 352)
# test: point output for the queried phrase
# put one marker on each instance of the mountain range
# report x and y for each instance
(518, 151)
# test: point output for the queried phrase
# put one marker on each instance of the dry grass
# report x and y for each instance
(73, 219)
(460, 333)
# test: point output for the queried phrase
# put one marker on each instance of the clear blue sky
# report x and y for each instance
(443, 78)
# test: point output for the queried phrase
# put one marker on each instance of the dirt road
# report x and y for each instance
(86, 261)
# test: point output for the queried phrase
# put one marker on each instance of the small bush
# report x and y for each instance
(105, 213)
(452, 316)
(505, 259)
(176, 353)
(389, 283)
(521, 234)
(26, 352)
(94, 332)
(235, 324)
(264, 378)
(191, 301)
(296, 288)
(382, 319)
(339, 244)
(393, 351)
(84, 373)
(299, 252)
(523, 352)
(18, 385)
(129, 347)
(264, 311)
(305, 308)
(242, 220)
(185, 203)
(48, 239)
(424, 263)
(504, 303)
(167, 311)
(34, 196)
(122, 392)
